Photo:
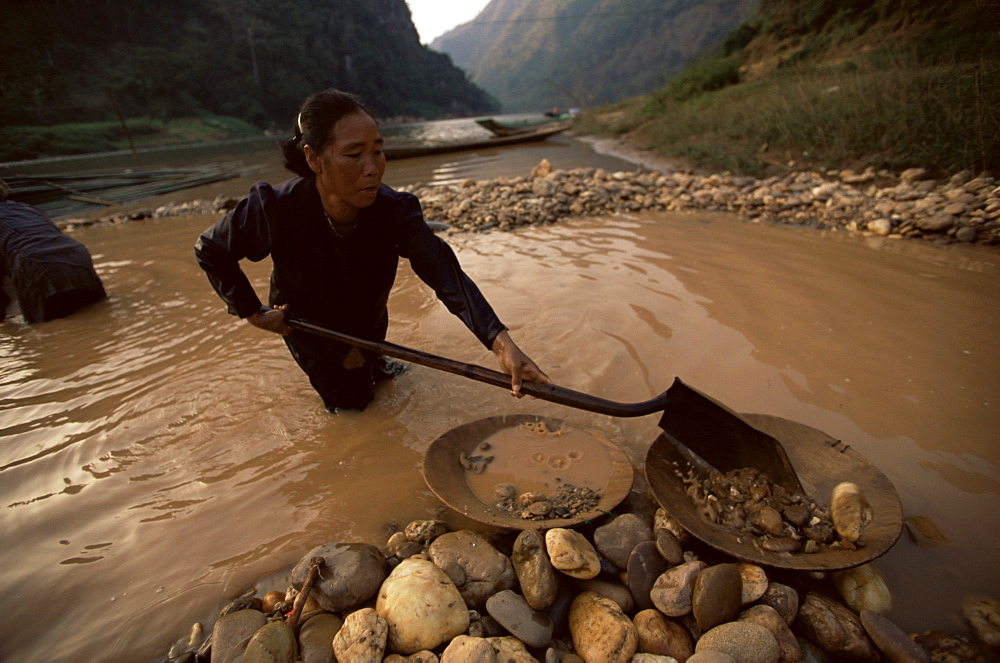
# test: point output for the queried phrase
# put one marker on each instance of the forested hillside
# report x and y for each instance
(75, 60)
(535, 55)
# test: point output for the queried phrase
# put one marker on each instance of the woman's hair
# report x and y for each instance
(317, 116)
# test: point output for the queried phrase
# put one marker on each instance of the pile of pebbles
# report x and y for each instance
(775, 519)
(566, 501)
(962, 208)
(633, 587)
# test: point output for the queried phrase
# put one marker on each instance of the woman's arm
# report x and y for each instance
(516, 364)
(242, 234)
(436, 264)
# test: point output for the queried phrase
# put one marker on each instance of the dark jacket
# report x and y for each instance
(342, 283)
(52, 273)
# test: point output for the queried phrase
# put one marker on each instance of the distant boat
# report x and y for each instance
(514, 127)
(401, 149)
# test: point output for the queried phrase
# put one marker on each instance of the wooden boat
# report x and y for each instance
(405, 150)
(514, 127)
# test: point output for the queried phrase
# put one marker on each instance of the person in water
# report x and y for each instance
(335, 234)
(48, 273)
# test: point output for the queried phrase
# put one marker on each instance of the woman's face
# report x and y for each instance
(349, 170)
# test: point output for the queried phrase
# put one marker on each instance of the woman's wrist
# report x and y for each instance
(500, 340)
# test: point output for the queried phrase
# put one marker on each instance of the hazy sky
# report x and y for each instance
(435, 17)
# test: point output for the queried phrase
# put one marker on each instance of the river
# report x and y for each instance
(158, 457)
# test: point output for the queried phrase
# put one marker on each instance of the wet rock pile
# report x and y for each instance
(634, 587)
(962, 208)
(218, 205)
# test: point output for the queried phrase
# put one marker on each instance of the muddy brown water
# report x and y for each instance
(158, 457)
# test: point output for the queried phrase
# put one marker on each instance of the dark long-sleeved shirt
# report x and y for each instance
(41, 260)
(340, 282)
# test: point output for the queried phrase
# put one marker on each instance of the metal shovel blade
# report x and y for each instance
(723, 438)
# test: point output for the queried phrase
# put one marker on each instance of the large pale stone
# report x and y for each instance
(671, 593)
(609, 589)
(477, 568)
(535, 573)
(754, 582)
(742, 641)
(768, 617)
(601, 632)
(362, 638)
(422, 656)
(467, 648)
(863, 588)
(422, 607)
(571, 553)
(661, 635)
(880, 226)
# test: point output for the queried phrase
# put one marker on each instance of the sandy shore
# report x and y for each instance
(629, 151)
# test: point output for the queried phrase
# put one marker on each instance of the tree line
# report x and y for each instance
(87, 60)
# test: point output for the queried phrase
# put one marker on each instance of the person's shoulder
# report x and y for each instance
(387, 193)
(399, 202)
(292, 187)
(24, 215)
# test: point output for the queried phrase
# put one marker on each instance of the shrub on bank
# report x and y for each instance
(894, 116)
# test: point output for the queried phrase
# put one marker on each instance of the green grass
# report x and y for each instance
(30, 142)
(883, 112)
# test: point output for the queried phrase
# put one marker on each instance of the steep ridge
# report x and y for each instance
(534, 55)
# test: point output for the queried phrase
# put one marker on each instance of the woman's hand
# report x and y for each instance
(271, 319)
(516, 364)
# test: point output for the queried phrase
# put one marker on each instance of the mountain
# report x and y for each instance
(535, 55)
(77, 60)
(832, 84)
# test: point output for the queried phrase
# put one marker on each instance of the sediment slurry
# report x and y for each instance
(964, 207)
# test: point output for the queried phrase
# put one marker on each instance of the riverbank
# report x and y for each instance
(963, 208)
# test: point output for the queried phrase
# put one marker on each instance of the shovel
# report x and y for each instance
(700, 436)
(720, 436)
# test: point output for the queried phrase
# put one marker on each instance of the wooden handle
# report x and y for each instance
(546, 392)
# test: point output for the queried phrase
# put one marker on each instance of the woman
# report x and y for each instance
(335, 234)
